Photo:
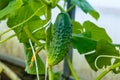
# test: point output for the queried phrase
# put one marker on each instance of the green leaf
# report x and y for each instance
(97, 33)
(34, 23)
(32, 69)
(86, 7)
(57, 75)
(103, 48)
(10, 8)
(76, 27)
(3, 3)
(35, 4)
(82, 43)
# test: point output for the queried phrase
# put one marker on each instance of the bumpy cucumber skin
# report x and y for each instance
(61, 41)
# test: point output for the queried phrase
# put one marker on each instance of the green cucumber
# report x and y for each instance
(61, 40)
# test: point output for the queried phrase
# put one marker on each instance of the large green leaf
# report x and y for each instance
(86, 7)
(34, 23)
(32, 69)
(97, 33)
(105, 49)
(10, 8)
(82, 43)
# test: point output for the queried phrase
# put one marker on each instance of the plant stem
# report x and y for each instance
(70, 8)
(61, 9)
(71, 68)
(54, 3)
(107, 70)
(7, 38)
(48, 29)
(50, 73)
(48, 38)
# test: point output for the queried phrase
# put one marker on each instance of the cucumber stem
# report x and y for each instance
(71, 68)
(107, 70)
(50, 73)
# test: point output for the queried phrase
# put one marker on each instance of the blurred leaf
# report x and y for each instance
(76, 27)
(86, 7)
(57, 75)
(97, 33)
(32, 69)
(103, 48)
(10, 8)
(82, 43)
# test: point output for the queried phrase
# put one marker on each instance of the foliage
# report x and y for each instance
(24, 18)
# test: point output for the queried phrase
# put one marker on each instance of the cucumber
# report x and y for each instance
(61, 40)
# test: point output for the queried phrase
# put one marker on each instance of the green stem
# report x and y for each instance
(70, 8)
(21, 22)
(107, 70)
(48, 30)
(50, 73)
(71, 68)
(54, 3)
(29, 34)
(7, 38)
(61, 9)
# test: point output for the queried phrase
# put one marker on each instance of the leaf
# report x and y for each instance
(76, 27)
(82, 43)
(103, 48)
(97, 33)
(35, 22)
(3, 3)
(86, 7)
(35, 4)
(32, 69)
(57, 76)
(11, 7)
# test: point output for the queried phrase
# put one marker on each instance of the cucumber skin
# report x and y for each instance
(61, 41)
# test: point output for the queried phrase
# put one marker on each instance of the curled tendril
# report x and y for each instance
(101, 56)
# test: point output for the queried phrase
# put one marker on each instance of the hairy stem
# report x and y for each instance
(71, 68)
(107, 70)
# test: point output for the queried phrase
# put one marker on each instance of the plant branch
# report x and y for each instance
(107, 70)
(71, 68)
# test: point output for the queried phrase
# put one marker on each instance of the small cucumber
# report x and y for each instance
(61, 40)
